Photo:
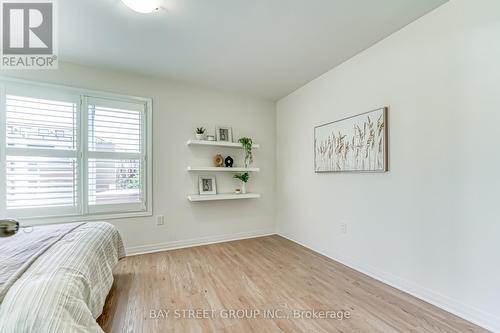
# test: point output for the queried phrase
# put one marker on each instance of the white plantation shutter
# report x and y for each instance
(41, 173)
(41, 182)
(40, 123)
(116, 155)
(65, 153)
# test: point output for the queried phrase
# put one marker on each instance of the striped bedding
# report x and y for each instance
(65, 287)
(18, 252)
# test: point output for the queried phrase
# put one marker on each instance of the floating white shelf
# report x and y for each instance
(222, 169)
(218, 144)
(222, 196)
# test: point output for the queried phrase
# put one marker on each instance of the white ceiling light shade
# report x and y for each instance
(143, 6)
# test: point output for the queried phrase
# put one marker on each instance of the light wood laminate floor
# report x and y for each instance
(267, 273)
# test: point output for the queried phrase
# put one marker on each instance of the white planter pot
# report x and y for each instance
(243, 188)
(199, 136)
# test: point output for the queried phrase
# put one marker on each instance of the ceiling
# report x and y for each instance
(261, 48)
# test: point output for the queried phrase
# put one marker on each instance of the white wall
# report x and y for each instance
(178, 109)
(431, 225)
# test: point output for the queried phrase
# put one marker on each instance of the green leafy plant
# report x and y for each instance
(247, 145)
(200, 130)
(244, 177)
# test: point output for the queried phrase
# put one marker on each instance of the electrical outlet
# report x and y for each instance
(343, 228)
(160, 220)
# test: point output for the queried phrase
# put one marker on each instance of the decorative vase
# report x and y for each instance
(243, 188)
(247, 161)
(199, 136)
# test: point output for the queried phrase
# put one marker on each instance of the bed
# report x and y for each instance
(56, 278)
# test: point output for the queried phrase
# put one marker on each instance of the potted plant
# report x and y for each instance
(247, 145)
(244, 177)
(199, 133)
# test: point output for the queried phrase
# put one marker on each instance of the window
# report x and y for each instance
(115, 154)
(73, 153)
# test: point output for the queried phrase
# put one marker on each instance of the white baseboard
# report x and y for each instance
(469, 313)
(144, 249)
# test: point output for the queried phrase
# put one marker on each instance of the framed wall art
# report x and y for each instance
(353, 144)
(224, 133)
(207, 185)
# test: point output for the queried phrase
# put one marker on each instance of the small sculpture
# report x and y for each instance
(229, 162)
(218, 160)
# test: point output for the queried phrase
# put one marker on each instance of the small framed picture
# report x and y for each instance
(207, 185)
(224, 133)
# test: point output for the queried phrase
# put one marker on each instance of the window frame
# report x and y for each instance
(82, 212)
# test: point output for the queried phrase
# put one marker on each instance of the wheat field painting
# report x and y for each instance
(357, 143)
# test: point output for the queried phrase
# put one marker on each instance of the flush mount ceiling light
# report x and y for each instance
(143, 6)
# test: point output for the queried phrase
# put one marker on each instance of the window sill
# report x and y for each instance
(29, 222)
